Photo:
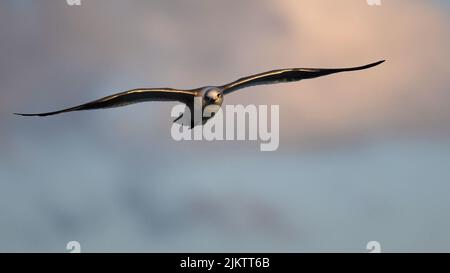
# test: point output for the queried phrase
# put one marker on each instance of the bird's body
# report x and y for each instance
(207, 96)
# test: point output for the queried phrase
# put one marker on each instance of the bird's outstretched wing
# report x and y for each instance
(129, 97)
(288, 75)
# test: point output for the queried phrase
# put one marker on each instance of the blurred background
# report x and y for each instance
(363, 156)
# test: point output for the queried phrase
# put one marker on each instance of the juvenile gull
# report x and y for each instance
(210, 95)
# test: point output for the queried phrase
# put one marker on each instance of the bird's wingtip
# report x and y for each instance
(376, 63)
(26, 115)
(366, 66)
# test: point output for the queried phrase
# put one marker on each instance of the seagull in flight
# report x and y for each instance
(209, 95)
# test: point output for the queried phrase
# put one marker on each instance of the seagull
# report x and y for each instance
(208, 95)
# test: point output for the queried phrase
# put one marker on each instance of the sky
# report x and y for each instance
(363, 156)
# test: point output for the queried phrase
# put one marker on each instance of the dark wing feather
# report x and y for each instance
(288, 75)
(129, 97)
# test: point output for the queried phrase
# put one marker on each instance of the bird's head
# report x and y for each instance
(212, 95)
